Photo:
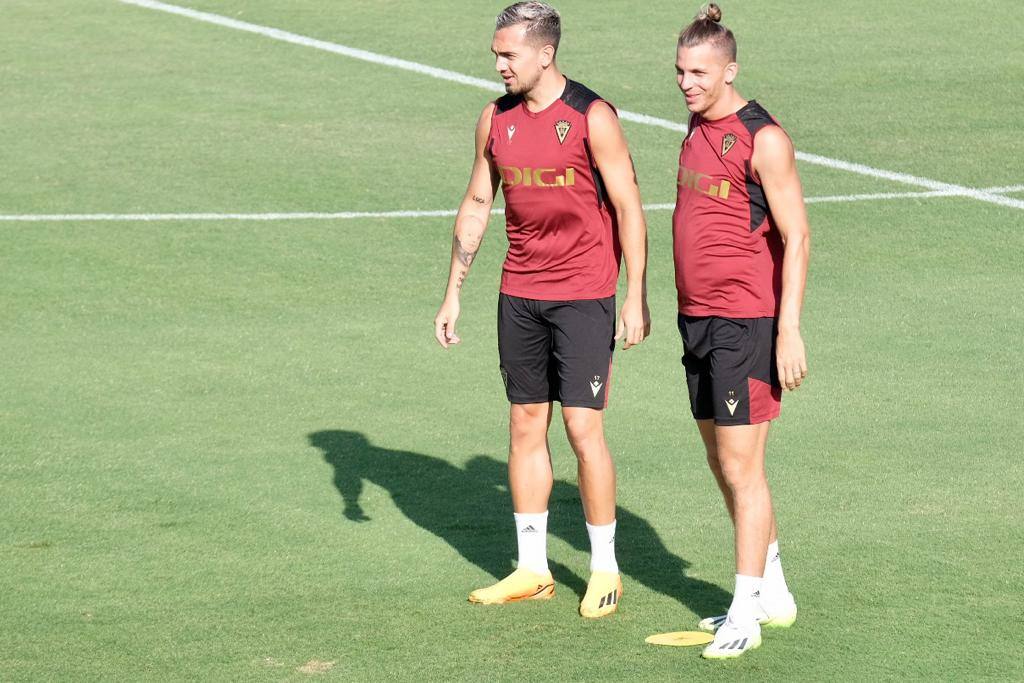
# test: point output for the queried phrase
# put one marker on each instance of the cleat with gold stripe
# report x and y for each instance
(603, 594)
(522, 584)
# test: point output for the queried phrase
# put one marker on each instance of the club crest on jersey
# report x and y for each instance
(727, 142)
(561, 130)
(511, 132)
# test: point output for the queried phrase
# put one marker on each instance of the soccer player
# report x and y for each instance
(741, 243)
(572, 208)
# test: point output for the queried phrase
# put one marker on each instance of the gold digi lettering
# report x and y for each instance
(690, 179)
(694, 181)
(557, 181)
(510, 175)
(536, 177)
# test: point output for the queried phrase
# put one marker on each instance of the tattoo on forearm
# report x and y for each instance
(461, 278)
(479, 200)
(466, 251)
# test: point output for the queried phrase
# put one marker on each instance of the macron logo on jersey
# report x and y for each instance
(700, 182)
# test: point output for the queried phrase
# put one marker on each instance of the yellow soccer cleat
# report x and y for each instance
(603, 594)
(522, 584)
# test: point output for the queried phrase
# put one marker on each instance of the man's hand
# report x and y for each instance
(634, 322)
(444, 323)
(790, 358)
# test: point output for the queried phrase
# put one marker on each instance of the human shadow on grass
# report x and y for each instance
(471, 510)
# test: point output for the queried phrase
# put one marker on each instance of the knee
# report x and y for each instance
(527, 425)
(713, 463)
(738, 472)
(585, 432)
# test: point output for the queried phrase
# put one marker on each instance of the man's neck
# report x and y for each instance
(548, 89)
(731, 103)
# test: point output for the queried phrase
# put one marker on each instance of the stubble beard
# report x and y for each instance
(522, 88)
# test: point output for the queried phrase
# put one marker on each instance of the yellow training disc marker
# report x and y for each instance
(680, 638)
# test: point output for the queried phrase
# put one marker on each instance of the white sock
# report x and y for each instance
(602, 548)
(774, 584)
(532, 536)
(744, 600)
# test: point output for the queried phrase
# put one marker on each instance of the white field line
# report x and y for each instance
(439, 213)
(906, 179)
(280, 216)
(1006, 189)
(447, 75)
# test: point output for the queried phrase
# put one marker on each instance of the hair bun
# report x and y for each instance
(711, 12)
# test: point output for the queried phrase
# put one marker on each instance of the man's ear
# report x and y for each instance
(547, 55)
(732, 69)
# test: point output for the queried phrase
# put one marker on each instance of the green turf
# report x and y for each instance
(230, 450)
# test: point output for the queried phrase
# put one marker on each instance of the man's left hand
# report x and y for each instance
(634, 323)
(791, 359)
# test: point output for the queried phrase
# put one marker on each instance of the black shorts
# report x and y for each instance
(730, 369)
(556, 350)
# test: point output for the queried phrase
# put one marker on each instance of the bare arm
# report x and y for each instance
(611, 155)
(470, 225)
(774, 160)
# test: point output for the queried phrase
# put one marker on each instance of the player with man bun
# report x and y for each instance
(741, 243)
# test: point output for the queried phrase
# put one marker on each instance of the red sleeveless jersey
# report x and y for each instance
(562, 239)
(728, 252)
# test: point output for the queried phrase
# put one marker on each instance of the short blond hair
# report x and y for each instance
(542, 21)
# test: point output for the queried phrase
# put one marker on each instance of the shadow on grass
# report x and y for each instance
(471, 510)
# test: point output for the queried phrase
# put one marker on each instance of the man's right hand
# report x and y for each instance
(444, 323)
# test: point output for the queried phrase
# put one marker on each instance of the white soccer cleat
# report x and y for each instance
(771, 614)
(732, 640)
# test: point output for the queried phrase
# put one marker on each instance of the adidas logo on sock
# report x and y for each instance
(528, 529)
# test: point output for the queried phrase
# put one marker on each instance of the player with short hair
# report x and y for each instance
(741, 243)
(572, 209)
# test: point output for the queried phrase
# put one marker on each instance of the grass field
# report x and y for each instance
(231, 450)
